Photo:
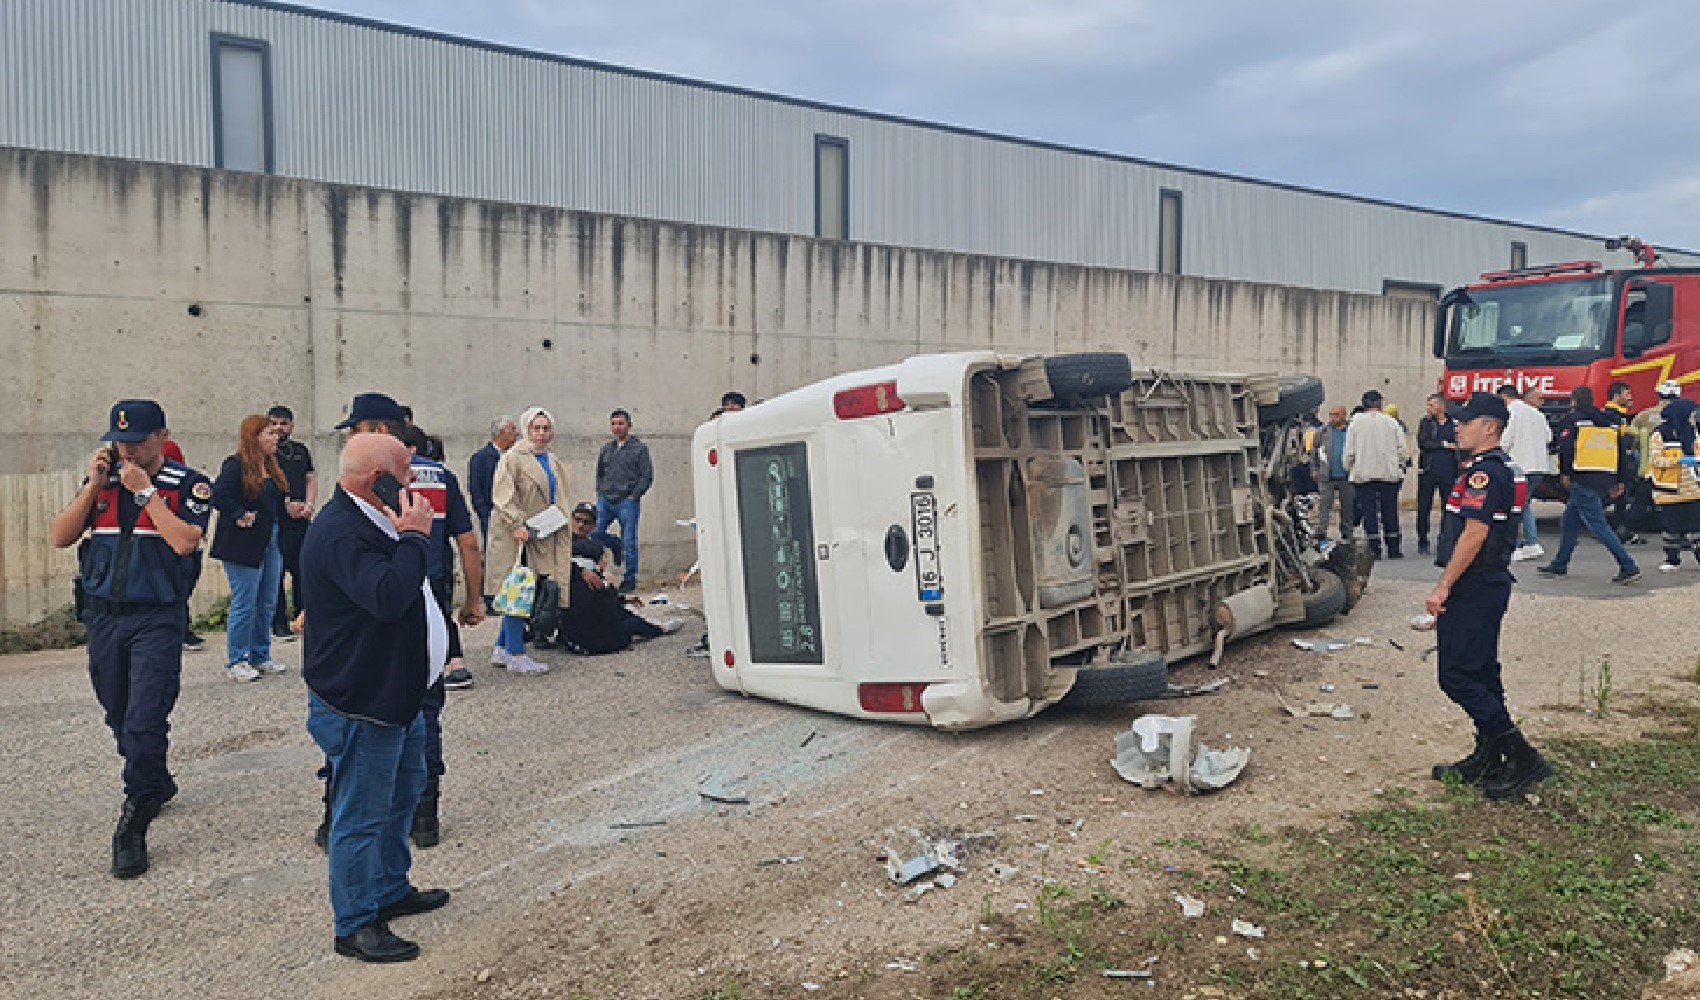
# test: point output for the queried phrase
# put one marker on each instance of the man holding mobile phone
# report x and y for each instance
(376, 643)
(144, 517)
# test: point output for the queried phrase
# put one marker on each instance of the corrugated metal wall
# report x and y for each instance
(361, 105)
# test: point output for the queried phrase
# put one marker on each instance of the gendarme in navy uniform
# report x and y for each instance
(143, 516)
(1477, 537)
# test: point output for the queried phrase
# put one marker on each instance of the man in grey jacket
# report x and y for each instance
(1376, 458)
(624, 474)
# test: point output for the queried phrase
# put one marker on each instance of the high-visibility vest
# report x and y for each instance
(1596, 449)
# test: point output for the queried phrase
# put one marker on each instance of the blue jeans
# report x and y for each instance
(1587, 507)
(626, 512)
(1530, 537)
(512, 636)
(377, 775)
(253, 598)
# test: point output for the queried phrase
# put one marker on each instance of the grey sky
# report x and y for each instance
(1558, 112)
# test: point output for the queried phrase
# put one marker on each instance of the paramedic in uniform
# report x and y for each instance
(146, 516)
(1477, 536)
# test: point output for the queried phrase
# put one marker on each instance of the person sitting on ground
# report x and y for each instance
(596, 619)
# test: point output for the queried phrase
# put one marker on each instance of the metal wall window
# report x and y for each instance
(1169, 232)
(1519, 255)
(242, 103)
(832, 187)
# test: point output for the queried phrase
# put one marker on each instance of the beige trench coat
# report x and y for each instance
(520, 490)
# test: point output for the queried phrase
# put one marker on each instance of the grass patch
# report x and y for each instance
(1579, 892)
(59, 630)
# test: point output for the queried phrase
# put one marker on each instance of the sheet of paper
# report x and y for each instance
(546, 522)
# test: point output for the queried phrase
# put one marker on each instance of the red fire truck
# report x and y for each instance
(1576, 323)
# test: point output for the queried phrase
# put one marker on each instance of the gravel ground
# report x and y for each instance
(553, 897)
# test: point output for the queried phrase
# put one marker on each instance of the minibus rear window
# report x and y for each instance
(777, 527)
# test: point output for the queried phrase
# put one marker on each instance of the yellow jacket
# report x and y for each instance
(1673, 482)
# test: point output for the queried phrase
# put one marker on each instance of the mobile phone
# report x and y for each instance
(388, 488)
(112, 458)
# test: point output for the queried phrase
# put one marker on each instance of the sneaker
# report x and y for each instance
(1521, 554)
(1626, 576)
(499, 658)
(283, 635)
(458, 679)
(523, 664)
(1669, 567)
(1535, 550)
(193, 643)
(242, 673)
(671, 626)
(271, 667)
(1550, 570)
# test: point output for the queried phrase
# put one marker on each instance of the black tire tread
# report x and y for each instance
(1327, 601)
(1088, 375)
(1141, 677)
(1300, 394)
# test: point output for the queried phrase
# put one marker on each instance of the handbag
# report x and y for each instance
(545, 610)
(518, 592)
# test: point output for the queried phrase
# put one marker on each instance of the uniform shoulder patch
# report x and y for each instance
(1478, 479)
(201, 490)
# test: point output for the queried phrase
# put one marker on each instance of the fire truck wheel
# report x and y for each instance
(1300, 394)
(1141, 677)
(1088, 376)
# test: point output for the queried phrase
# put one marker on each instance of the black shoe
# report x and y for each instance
(1626, 576)
(426, 832)
(130, 840)
(628, 587)
(322, 836)
(1471, 769)
(1422, 548)
(416, 901)
(193, 643)
(375, 943)
(1552, 570)
(458, 679)
(170, 791)
(283, 635)
(1520, 768)
(1395, 554)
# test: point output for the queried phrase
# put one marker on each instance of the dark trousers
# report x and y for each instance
(289, 539)
(1430, 486)
(136, 666)
(1380, 504)
(1467, 637)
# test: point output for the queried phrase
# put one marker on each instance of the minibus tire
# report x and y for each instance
(1088, 375)
(1352, 563)
(1141, 678)
(1325, 603)
(1300, 394)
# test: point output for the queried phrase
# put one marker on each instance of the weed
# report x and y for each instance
(216, 617)
(728, 990)
(1097, 856)
(969, 993)
(58, 630)
(1602, 689)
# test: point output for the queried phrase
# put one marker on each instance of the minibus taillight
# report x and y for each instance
(713, 456)
(866, 401)
(890, 697)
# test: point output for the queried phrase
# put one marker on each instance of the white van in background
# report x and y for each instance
(965, 539)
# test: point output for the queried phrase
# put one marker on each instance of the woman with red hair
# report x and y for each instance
(249, 493)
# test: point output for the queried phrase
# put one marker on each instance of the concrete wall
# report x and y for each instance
(221, 294)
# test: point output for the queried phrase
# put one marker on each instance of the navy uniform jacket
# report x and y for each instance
(1492, 490)
(125, 560)
(480, 474)
(367, 646)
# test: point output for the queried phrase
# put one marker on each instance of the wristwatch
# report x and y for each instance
(143, 496)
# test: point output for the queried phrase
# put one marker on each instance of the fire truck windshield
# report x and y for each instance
(1554, 321)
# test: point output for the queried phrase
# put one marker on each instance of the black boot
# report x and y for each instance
(322, 836)
(1471, 769)
(1520, 769)
(130, 840)
(426, 832)
(1375, 550)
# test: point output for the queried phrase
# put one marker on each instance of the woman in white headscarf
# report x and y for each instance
(529, 479)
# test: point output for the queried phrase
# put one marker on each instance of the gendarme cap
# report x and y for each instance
(372, 406)
(1480, 404)
(133, 420)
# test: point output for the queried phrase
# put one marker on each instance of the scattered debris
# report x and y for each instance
(1321, 645)
(1127, 973)
(1004, 873)
(1190, 906)
(1158, 749)
(928, 856)
(483, 975)
(809, 738)
(1363, 640)
(1396, 644)
(811, 987)
(1325, 688)
(1372, 687)
(1316, 709)
(945, 880)
(1680, 961)
(918, 890)
(1423, 623)
(715, 790)
(782, 859)
(1193, 690)
(638, 824)
(1246, 929)
(1254, 953)
(1026, 818)
(903, 965)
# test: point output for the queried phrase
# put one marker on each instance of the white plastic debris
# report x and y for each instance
(1364, 640)
(1190, 906)
(1158, 749)
(1680, 961)
(1127, 973)
(1004, 873)
(1246, 929)
(1422, 623)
